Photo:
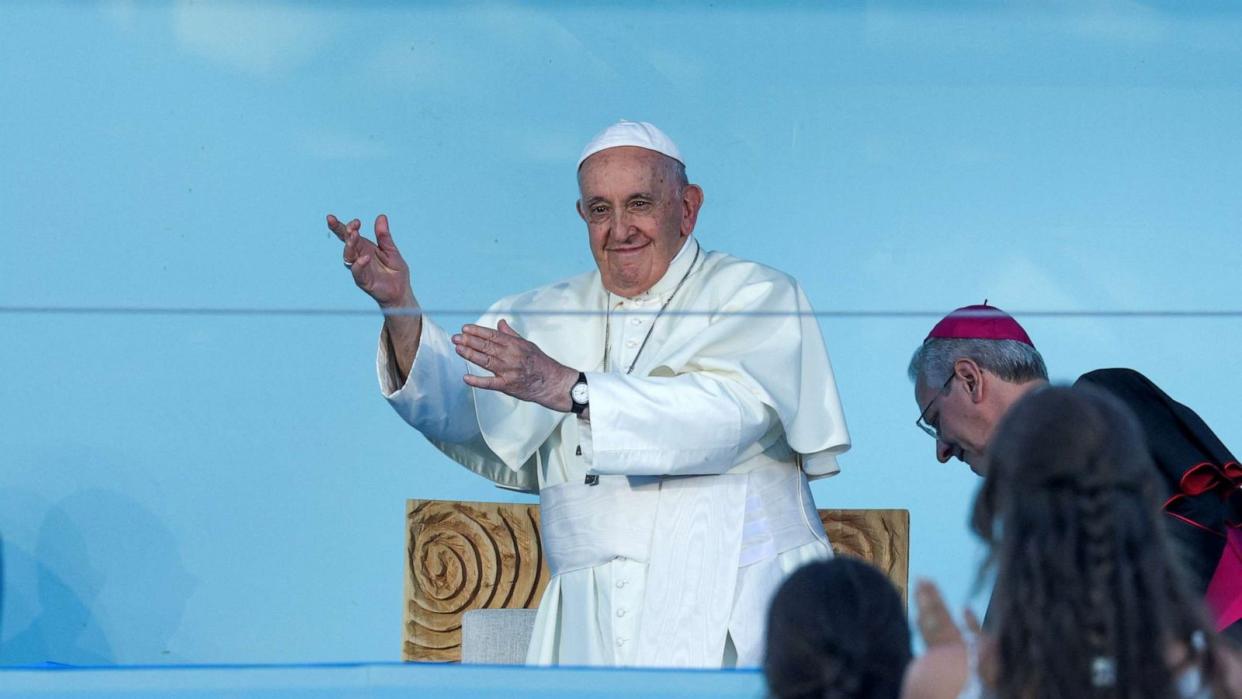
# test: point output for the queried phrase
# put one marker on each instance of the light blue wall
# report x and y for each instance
(207, 488)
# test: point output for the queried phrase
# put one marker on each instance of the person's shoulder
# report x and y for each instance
(722, 265)
(1130, 387)
(940, 673)
(1106, 377)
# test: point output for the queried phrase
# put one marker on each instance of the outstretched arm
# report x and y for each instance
(379, 269)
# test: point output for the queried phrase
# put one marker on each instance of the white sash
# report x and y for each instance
(694, 533)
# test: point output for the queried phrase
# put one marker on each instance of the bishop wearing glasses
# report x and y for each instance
(978, 361)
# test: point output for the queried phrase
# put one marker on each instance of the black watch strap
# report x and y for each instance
(574, 406)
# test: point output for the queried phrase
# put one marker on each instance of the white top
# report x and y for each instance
(720, 392)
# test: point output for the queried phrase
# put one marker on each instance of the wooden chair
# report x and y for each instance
(485, 555)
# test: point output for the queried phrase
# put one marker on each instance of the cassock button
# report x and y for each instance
(631, 343)
(620, 642)
(636, 321)
(620, 584)
(620, 613)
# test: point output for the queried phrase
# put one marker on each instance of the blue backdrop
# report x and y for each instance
(189, 487)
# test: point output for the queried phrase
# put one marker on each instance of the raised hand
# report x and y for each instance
(379, 270)
(520, 368)
(377, 267)
(935, 623)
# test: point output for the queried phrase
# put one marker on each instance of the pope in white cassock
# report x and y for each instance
(669, 421)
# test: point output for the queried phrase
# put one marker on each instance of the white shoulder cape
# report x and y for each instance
(735, 320)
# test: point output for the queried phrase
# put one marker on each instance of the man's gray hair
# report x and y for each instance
(678, 172)
(1011, 360)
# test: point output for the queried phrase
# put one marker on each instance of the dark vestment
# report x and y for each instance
(1179, 440)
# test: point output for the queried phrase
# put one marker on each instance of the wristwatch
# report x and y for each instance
(579, 395)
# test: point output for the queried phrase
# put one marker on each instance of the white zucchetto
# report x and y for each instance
(632, 133)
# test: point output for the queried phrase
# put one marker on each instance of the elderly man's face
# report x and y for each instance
(963, 425)
(637, 214)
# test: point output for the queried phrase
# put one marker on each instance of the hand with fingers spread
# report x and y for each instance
(380, 271)
(520, 369)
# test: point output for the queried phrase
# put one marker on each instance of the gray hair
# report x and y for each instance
(678, 172)
(1011, 360)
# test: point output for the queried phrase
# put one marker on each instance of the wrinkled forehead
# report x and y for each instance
(625, 167)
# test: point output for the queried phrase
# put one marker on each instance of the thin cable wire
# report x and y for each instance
(364, 312)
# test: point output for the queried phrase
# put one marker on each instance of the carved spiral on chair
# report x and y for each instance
(461, 557)
(464, 555)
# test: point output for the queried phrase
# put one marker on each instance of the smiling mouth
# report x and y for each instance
(629, 249)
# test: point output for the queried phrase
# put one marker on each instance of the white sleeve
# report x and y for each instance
(434, 399)
(692, 424)
(436, 402)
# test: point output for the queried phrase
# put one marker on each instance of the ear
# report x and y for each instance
(972, 377)
(691, 202)
(580, 210)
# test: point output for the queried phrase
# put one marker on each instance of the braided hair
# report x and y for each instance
(837, 629)
(1088, 599)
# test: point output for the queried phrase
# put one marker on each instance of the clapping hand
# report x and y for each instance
(520, 369)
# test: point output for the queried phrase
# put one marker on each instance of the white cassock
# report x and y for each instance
(703, 451)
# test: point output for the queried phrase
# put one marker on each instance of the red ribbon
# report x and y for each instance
(1224, 592)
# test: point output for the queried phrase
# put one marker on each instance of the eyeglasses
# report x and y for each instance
(933, 431)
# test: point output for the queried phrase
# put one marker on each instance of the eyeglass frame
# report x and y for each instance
(921, 423)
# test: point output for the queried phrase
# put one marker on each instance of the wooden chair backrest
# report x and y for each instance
(487, 555)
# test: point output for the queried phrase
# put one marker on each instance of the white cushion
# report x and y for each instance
(496, 636)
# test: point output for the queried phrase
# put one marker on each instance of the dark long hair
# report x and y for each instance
(1088, 599)
(837, 630)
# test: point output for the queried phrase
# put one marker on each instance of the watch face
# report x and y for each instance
(579, 393)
